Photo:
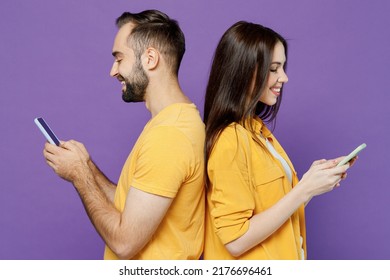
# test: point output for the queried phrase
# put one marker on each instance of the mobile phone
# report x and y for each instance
(352, 154)
(47, 132)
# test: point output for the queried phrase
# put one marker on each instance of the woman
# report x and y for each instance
(255, 202)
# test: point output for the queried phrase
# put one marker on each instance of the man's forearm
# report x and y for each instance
(102, 213)
(106, 186)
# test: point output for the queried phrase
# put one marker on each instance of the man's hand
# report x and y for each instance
(69, 160)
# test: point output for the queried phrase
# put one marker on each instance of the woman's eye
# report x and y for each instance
(274, 70)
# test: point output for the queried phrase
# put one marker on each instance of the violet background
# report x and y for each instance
(55, 58)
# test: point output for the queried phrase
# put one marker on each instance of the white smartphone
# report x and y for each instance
(352, 154)
(47, 132)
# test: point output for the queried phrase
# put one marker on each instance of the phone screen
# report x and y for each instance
(47, 132)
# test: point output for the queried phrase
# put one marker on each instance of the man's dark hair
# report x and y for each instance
(155, 29)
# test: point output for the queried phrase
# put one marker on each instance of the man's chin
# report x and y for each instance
(131, 99)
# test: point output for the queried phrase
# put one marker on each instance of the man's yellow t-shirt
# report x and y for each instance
(168, 160)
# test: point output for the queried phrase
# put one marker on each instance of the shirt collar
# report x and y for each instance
(259, 126)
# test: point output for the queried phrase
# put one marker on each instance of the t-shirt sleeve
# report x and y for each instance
(164, 162)
(232, 202)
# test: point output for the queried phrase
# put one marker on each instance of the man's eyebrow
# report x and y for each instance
(116, 53)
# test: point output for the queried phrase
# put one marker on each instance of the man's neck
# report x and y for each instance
(161, 95)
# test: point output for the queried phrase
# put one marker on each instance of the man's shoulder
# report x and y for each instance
(176, 113)
(181, 117)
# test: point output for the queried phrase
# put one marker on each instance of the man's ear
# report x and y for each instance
(151, 58)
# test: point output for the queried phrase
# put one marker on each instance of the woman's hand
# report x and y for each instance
(322, 177)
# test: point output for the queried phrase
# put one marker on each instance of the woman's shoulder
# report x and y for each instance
(232, 145)
(232, 135)
(234, 129)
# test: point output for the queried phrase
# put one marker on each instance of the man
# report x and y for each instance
(157, 209)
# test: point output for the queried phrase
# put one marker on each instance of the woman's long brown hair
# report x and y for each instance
(238, 76)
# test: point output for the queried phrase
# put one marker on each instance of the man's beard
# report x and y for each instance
(135, 90)
(134, 93)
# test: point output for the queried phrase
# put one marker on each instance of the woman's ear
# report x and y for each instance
(151, 58)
